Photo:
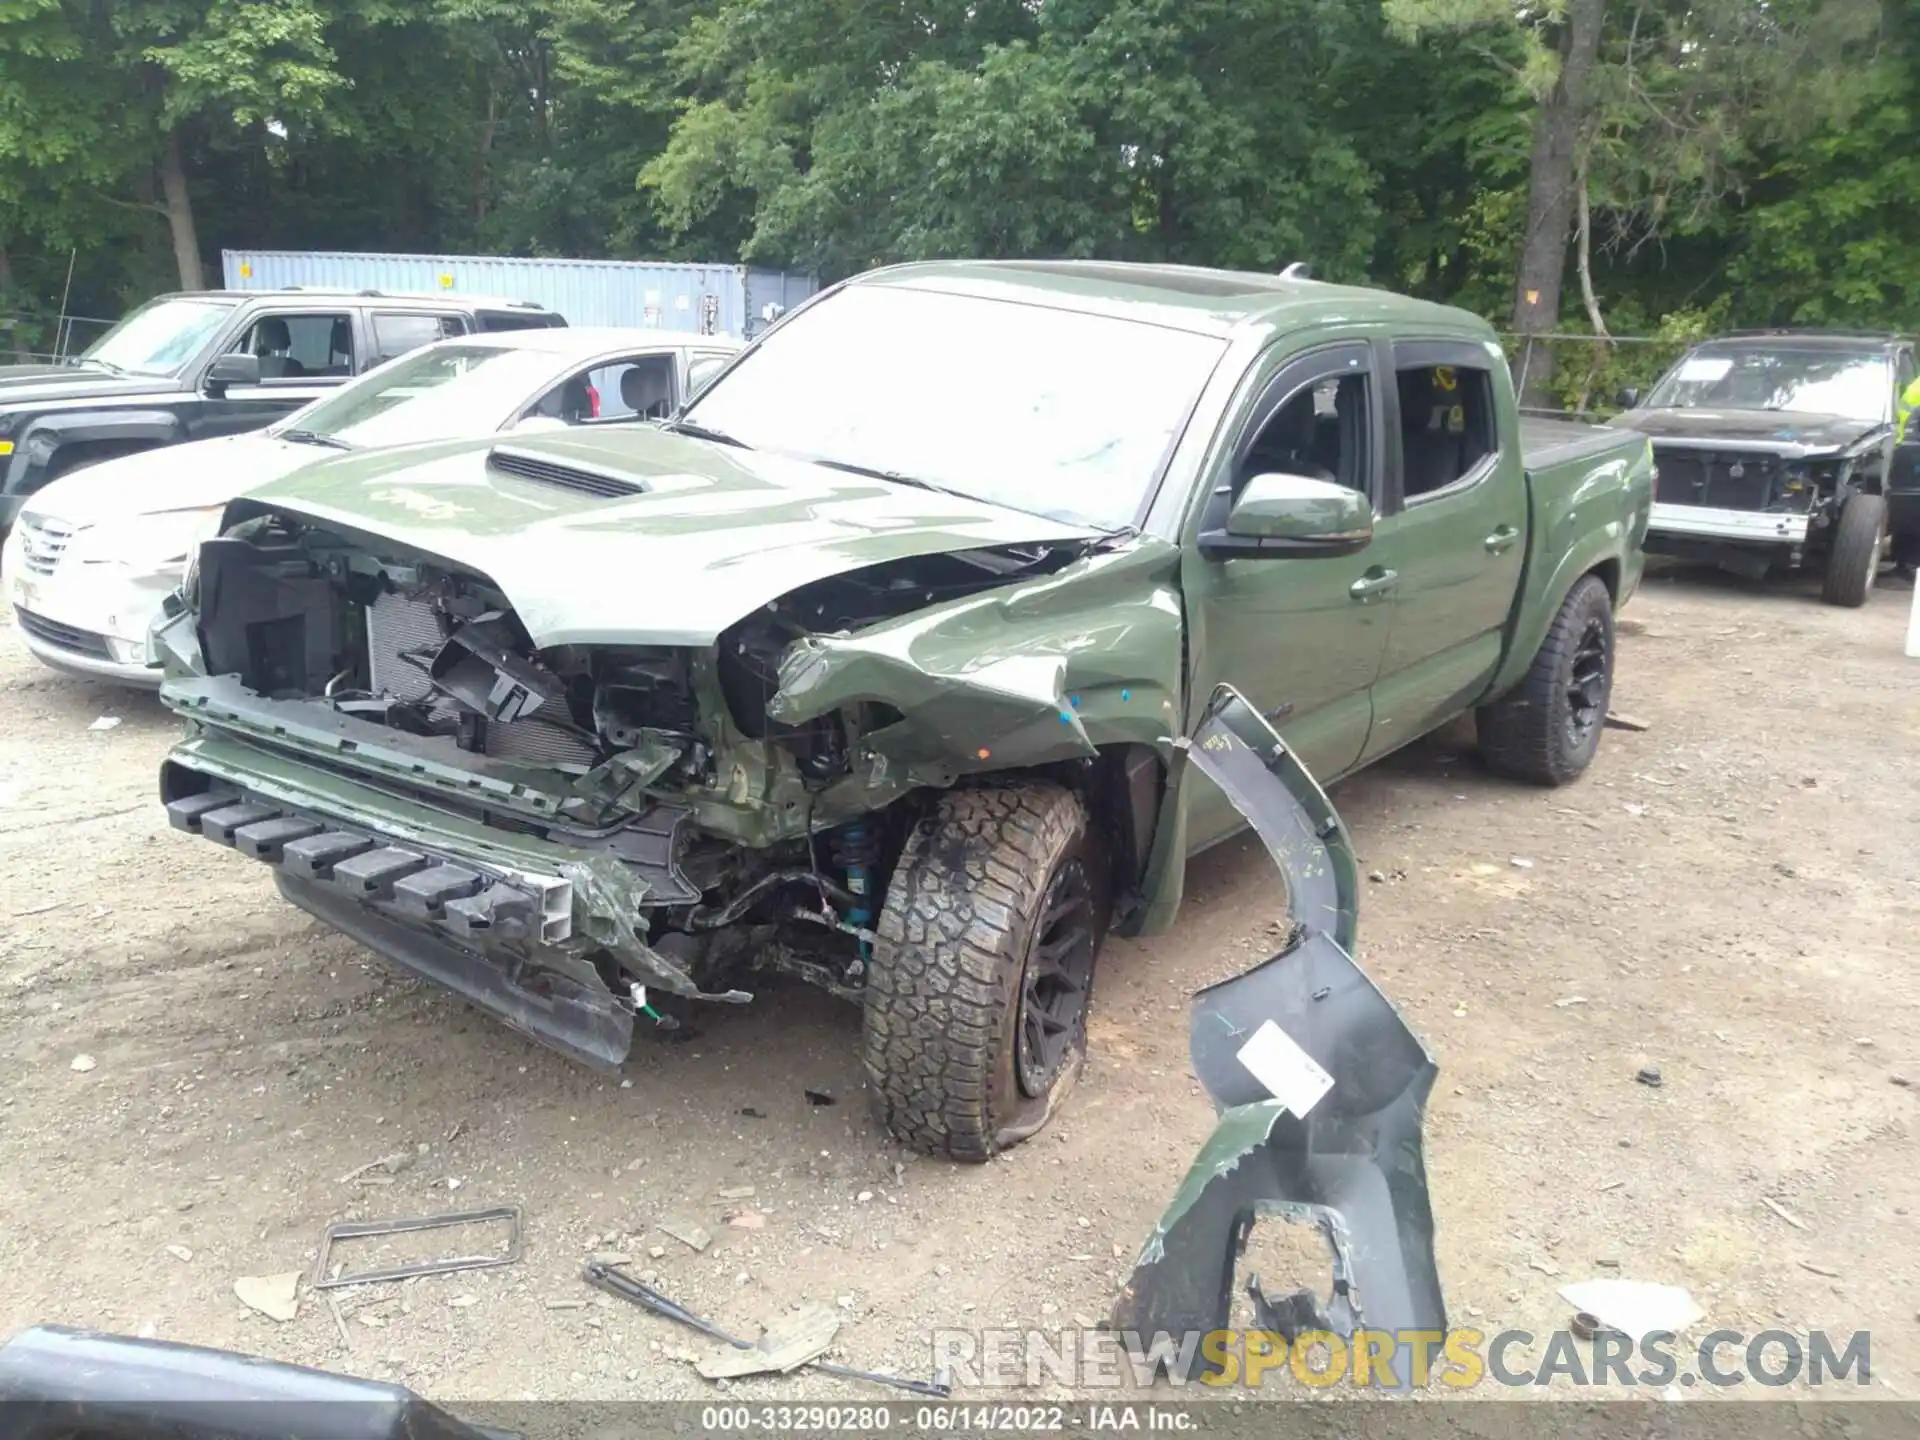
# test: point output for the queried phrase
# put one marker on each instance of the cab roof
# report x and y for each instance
(1226, 303)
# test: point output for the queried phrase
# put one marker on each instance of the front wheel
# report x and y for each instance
(980, 979)
(1547, 728)
(1854, 561)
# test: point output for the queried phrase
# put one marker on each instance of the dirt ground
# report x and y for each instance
(1731, 896)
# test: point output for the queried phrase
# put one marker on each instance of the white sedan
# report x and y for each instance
(92, 556)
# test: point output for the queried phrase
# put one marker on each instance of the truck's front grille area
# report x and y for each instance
(402, 637)
(63, 637)
(42, 543)
(1727, 480)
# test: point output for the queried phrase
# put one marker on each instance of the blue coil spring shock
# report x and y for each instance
(856, 850)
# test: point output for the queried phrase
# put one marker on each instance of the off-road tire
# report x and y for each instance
(945, 979)
(1853, 560)
(1529, 733)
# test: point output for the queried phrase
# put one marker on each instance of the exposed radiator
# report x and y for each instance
(398, 627)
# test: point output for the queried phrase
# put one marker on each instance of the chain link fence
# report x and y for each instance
(28, 338)
(1580, 377)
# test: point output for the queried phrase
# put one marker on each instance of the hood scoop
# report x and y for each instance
(581, 479)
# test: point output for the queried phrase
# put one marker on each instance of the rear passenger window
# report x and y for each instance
(395, 334)
(1446, 425)
(299, 347)
(497, 320)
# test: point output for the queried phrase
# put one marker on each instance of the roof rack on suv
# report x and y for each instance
(450, 296)
(1824, 332)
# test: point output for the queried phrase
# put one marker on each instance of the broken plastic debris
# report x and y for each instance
(105, 722)
(1636, 1308)
(785, 1345)
(690, 1235)
(83, 1063)
(274, 1296)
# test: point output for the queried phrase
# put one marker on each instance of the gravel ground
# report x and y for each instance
(1730, 896)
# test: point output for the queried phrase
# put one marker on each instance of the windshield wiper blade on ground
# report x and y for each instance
(314, 437)
(704, 432)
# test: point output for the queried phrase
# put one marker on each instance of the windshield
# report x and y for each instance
(437, 393)
(1042, 410)
(159, 337)
(1853, 383)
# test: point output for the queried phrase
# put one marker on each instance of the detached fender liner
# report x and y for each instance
(492, 937)
(1343, 1154)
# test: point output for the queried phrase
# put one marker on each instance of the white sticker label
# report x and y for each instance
(1291, 1076)
(1705, 369)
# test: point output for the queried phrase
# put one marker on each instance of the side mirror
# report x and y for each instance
(232, 370)
(1628, 398)
(1293, 515)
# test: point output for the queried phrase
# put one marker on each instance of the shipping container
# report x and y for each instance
(698, 299)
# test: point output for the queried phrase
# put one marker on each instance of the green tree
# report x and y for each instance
(1647, 114)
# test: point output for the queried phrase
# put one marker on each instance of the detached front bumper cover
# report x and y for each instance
(1328, 1132)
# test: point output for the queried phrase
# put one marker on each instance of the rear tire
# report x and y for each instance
(1854, 561)
(1546, 729)
(979, 982)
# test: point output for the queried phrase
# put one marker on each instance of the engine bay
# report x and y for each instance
(420, 647)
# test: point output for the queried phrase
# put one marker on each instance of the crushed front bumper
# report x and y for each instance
(517, 921)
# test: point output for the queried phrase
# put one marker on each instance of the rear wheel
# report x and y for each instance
(1854, 561)
(1547, 728)
(979, 982)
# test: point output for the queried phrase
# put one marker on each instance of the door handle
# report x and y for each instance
(1501, 540)
(1373, 584)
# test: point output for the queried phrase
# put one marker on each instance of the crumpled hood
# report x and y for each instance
(716, 533)
(173, 477)
(1779, 432)
(29, 385)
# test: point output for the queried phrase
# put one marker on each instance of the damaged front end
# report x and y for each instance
(1321, 1087)
(574, 835)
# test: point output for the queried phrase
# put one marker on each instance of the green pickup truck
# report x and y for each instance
(868, 666)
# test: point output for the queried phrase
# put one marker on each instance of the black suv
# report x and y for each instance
(194, 366)
(1776, 453)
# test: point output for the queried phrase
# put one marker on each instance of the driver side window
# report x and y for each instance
(299, 347)
(1320, 430)
(1316, 419)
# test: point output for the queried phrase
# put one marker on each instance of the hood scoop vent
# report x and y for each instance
(581, 479)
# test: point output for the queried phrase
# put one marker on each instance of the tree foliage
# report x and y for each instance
(1736, 160)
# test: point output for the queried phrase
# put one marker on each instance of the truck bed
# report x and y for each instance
(1546, 442)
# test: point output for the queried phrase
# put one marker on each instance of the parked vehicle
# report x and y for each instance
(195, 366)
(94, 554)
(655, 295)
(1774, 451)
(869, 665)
